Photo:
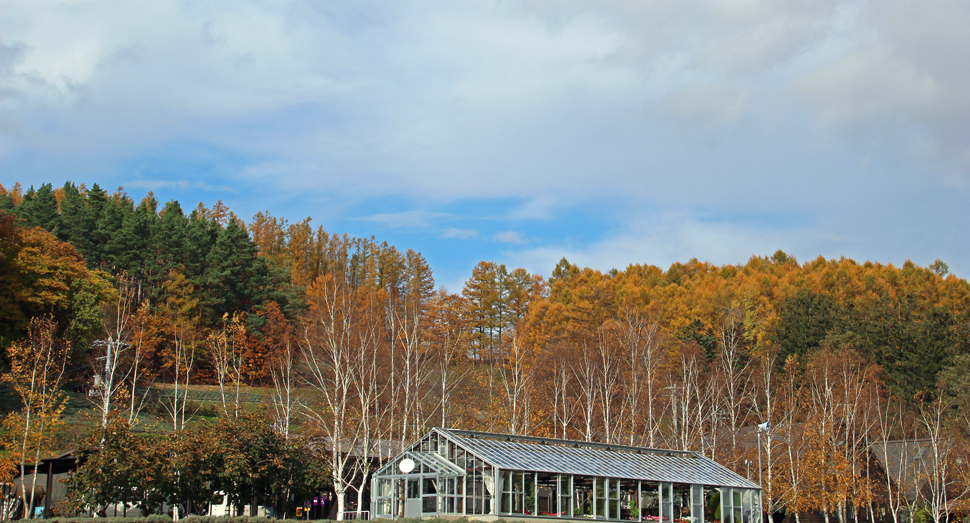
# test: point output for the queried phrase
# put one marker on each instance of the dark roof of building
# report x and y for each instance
(594, 459)
(907, 462)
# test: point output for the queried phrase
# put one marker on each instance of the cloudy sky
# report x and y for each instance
(608, 132)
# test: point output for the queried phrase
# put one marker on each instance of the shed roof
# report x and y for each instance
(595, 459)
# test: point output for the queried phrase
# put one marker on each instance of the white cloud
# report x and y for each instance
(406, 219)
(665, 237)
(661, 240)
(154, 185)
(821, 110)
(477, 100)
(461, 234)
(509, 237)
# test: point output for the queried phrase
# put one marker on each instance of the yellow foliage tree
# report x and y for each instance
(36, 370)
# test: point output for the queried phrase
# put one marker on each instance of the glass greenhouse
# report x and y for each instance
(467, 473)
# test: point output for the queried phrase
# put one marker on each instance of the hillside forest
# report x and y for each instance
(131, 305)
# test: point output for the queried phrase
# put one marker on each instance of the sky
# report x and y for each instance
(609, 133)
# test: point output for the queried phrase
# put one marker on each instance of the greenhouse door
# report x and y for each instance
(412, 502)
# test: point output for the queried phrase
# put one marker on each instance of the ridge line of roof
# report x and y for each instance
(565, 442)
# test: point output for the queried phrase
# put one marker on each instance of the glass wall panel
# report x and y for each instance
(565, 495)
(488, 478)
(384, 507)
(514, 484)
(712, 504)
(414, 491)
(747, 506)
(505, 480)
(726, 511)
(547, 494)
(583, 496)
(697, 503)
(628, 499)
(649, 501)
(429, 495)
(448, 500)
(384, 497)
(475, 486)
(613, 498)
(529, 504)
(666, 502)
(681, 501)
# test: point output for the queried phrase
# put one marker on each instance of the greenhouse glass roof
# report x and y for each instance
(595, 459)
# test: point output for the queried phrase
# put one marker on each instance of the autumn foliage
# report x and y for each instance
(359, 347)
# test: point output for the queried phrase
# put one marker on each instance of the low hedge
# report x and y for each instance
(157, 518)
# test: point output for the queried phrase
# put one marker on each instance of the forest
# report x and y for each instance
(132, 306)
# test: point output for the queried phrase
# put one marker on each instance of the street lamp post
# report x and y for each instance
(759, 459)
(763, 427)
(766, 426)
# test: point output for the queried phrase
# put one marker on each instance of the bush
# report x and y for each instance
(922, 516)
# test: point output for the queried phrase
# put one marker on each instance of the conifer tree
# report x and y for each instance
(74, 222)
(39, 209)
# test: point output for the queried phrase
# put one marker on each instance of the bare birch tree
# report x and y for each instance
(287, 400)
(367, 373)
(609, 384)
(585, 371)
(695, 397)
(641, 342)
(792, 440)
(227, 348)
(141, 324)
(733, 370)
(768, 409)
(409, 352)
(897, 464)
(117, 321)
(516, 374)
(178, 314)
(328, 347)
(448, 336)
(943, 487)
(563, 403)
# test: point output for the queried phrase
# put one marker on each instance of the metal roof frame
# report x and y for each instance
(585, 458)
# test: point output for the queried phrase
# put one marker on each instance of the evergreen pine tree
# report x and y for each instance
(228, 267)
(96, 201)
(108, 232)
(39, 209)
(169, 242)
(74, 222)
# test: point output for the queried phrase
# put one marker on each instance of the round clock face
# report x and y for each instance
(407, 465)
